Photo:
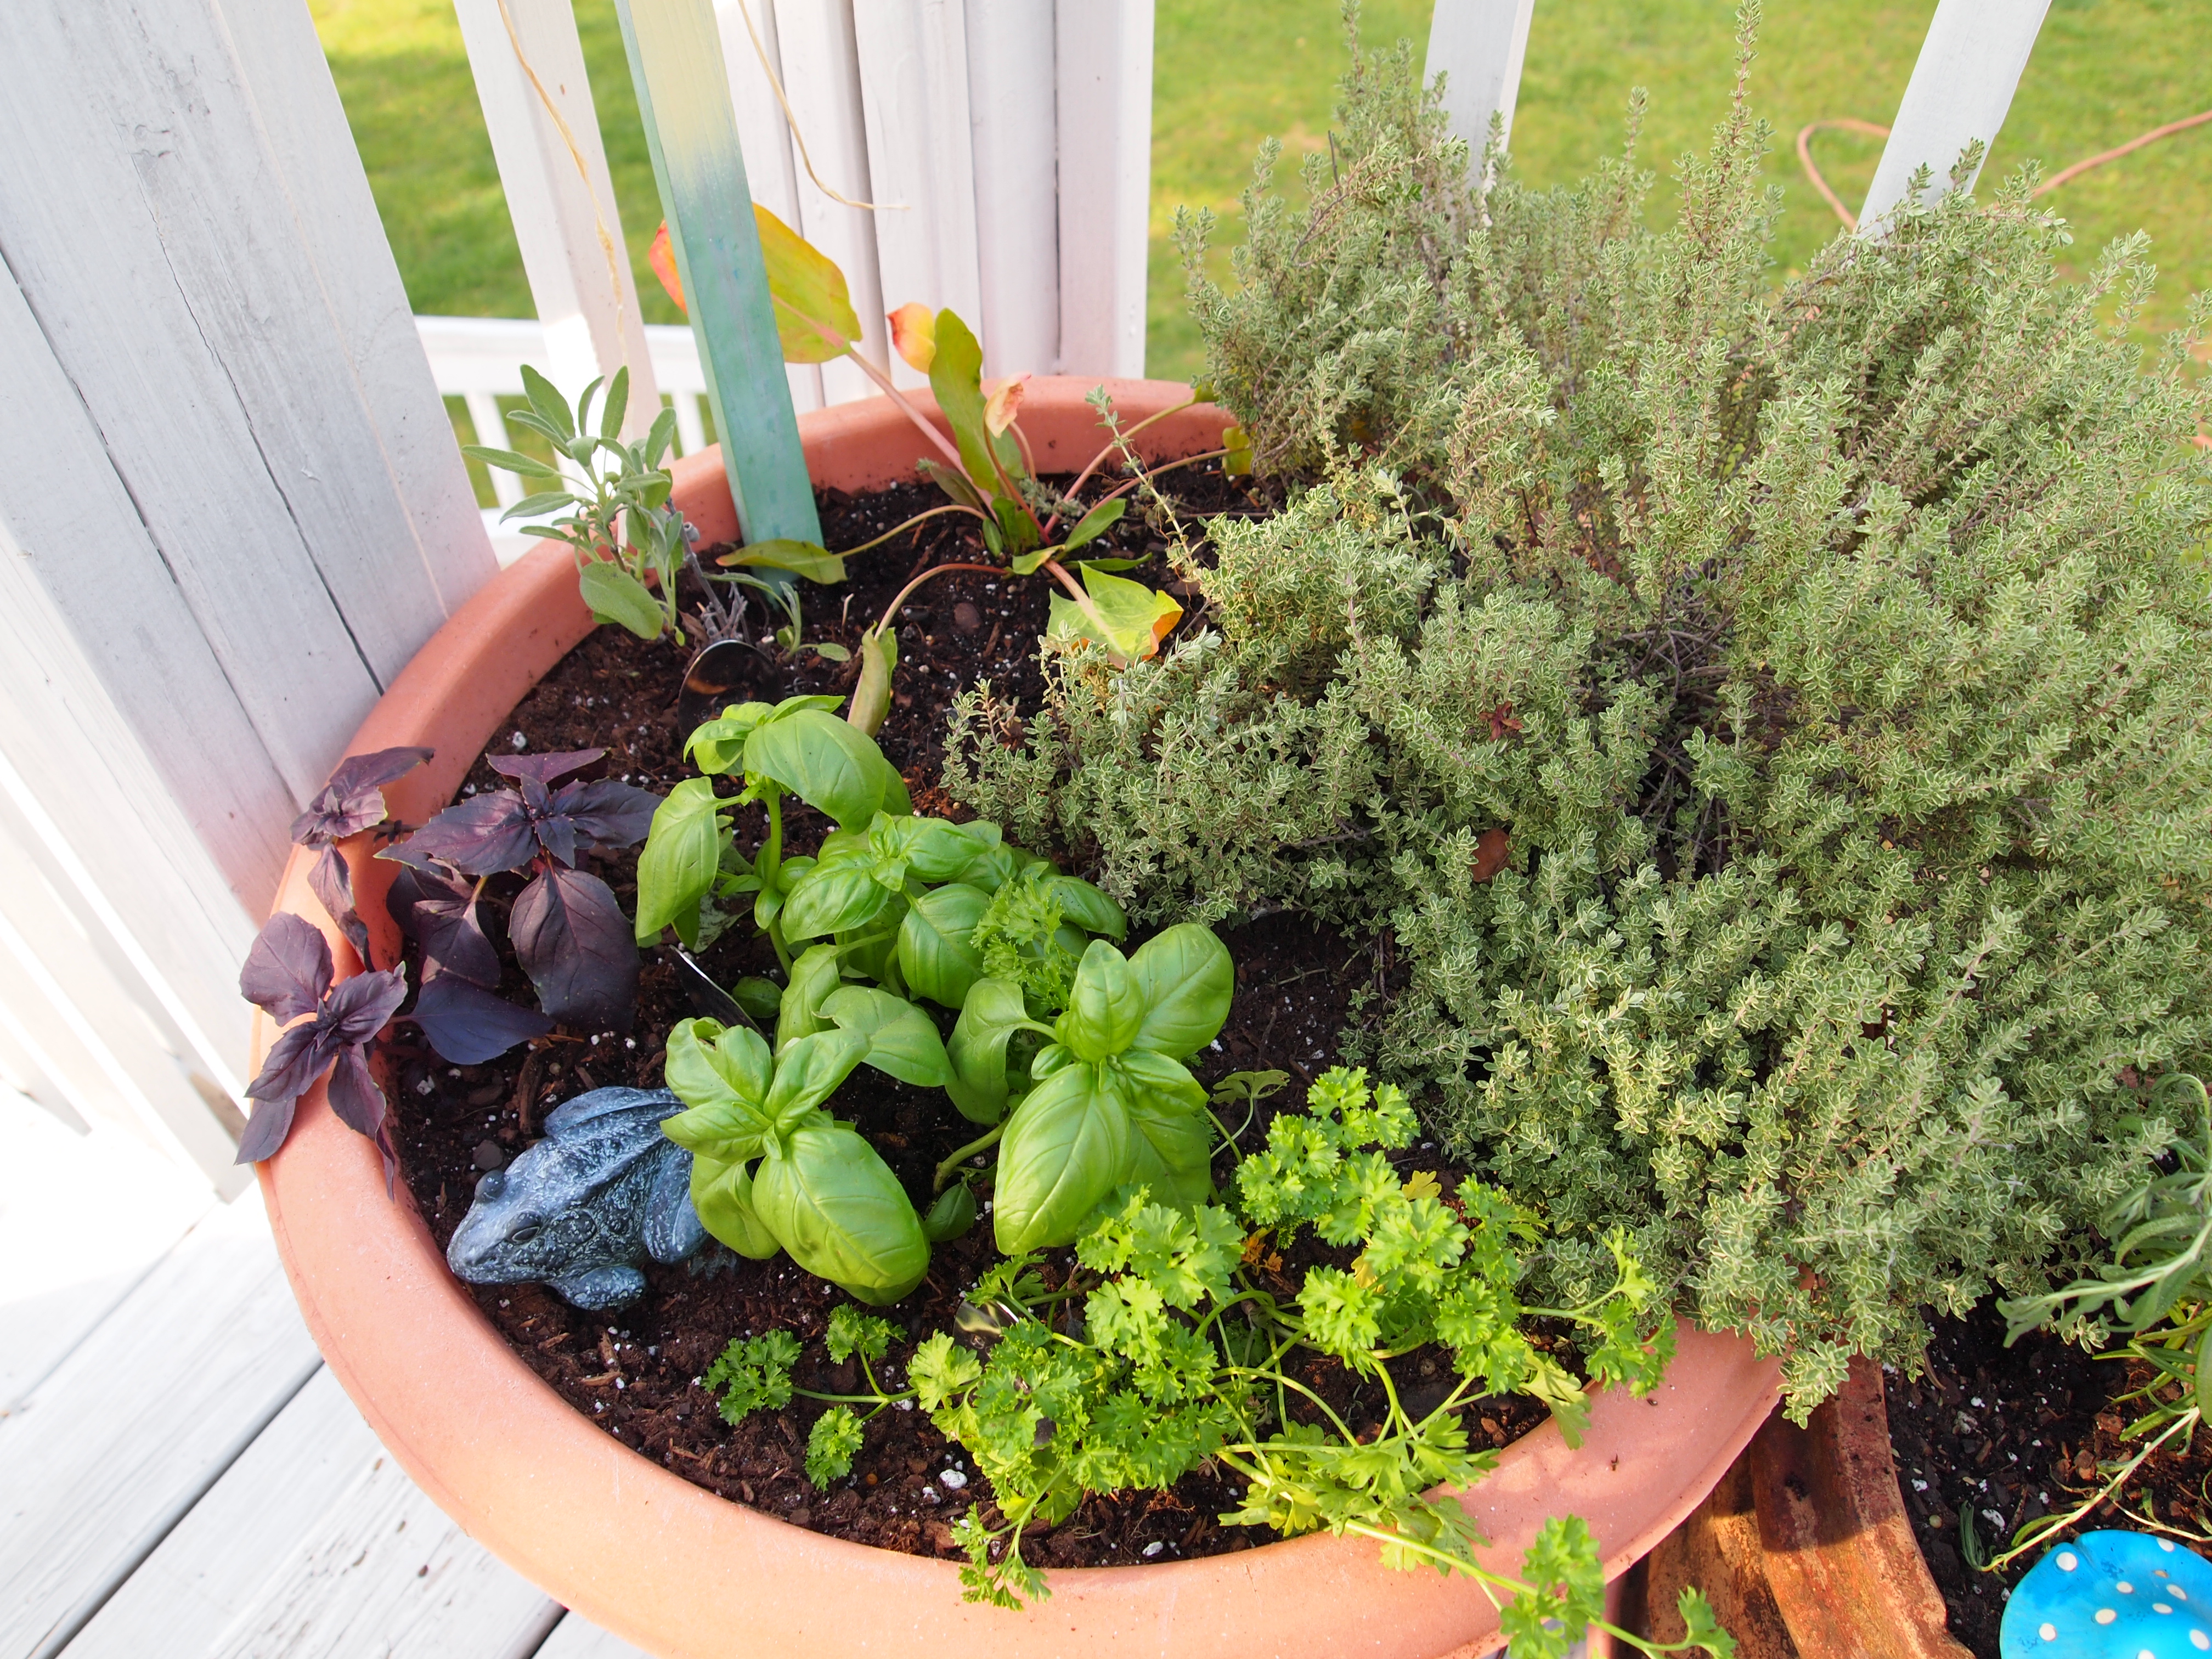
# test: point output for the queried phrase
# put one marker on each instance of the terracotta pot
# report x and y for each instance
(1805, 1548)
(684, 1573)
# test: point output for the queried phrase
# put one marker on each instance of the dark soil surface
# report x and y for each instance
(635, 1372)
(2013, 1434)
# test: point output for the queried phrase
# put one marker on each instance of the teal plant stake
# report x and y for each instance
(676, 60)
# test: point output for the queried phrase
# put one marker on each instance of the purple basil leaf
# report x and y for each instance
(354, 1096)
(440, 914)
(468, 1025)
(353, 800)
(454, 941)
(491, 833)
(577, 948)
(363, 1006)
(556, 836)
(266, 1129)
(403, 852)
(606, 813)
(545, 769)
(295, 1059)
(332, 878)
(288, 969)
(420, 881)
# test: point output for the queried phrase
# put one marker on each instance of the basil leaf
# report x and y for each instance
(1171, 1153)
(935, 955)
(809, 1071)
(615, 596)
(722, 1194)
(710, 1064)
(901, 1041)
(933, 850)
(990, 869)
(1187, 980)
(1148, 1076)
(1087, 908)
(1065, 1149)
(835, 1205)
(717, 746)
(683, 854)
(827, 763)
(831, 897)
(1106, 1005)
(871, 951)
(977, 1054)
(814, 976)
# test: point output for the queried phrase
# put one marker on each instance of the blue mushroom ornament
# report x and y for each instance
(2112, 1595)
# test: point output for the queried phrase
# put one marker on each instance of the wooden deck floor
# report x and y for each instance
(178, 1474)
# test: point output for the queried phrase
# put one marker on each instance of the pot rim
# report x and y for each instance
(568, 1506)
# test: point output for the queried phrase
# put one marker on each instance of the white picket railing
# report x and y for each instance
(235, 508)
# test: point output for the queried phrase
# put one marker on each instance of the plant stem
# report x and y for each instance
(981, 1142)
(1114, 443)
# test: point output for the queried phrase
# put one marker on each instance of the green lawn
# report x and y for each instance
(1229, 72)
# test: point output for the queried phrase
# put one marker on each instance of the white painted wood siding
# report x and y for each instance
(1013, 116)
(822, 76)
(235, 511)
(764, 137)
(586, 295)
(1961, 89)
(1103, 87)
(1479, 47)
(921, 163)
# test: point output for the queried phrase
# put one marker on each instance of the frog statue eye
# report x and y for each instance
(527, 1230)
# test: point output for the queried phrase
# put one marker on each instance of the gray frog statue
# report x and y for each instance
(583, 1209)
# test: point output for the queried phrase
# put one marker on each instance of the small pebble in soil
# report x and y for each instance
(488, 1156)
(966, 617)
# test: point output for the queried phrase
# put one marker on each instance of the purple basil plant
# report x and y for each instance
(288, 973)
(352, 801)
(567, 929)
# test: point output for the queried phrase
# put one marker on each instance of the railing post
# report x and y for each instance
(822, 76)
(765, 137)
(1961, 88)
(914, 92)
(1103, 87)
(683, 99)
(1016, 146)
(523, 53)
(1479, 46)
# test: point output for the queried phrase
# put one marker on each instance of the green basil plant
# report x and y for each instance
(770, 1170)
(1111, 1102)
(795, 747)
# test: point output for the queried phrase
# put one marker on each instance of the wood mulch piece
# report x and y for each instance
(2016, 1433)
(634, 1372)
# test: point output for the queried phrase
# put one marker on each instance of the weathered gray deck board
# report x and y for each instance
(84, 1217)
(125, 1434)
(315, 1542)
(577, 1637)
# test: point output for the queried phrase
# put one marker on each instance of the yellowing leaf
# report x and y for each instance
(914, 334)
(1131, 621)
(814, 316)
(1004, 404)
(661, 256)
(1238, 462)
(1423, 1183)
